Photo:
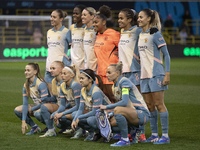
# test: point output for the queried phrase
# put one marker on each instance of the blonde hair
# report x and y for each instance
(74, 70)
(91, 10)
(54, 88)
(118, 66)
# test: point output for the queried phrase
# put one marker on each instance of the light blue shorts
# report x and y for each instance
(48, 77)
(133, 76)
(152, 84)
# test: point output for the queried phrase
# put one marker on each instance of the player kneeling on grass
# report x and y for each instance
(70, 94)
(130, 107)
(91, 98)
(37, 90)
(54, 101)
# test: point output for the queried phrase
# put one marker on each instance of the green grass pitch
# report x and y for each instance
(182, 100)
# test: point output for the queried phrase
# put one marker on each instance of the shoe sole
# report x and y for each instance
(161, 143)
(47, 136)
(119, 145)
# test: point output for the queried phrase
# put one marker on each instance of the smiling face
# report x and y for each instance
(30, 72)
(143, 20)
(55, 19)
(123, 21)
(86, 17)
(112, 74)
(99, 24)
(77, 15)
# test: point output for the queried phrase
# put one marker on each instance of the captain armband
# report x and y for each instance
(125, 91)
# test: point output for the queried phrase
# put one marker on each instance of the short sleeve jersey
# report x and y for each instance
(57, 42)
(151, 57)
(128, 49)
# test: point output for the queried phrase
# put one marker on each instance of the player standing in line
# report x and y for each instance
(77, 34)
(106, 47)
(37, 90)
(48, 108)
(128, 50)
(89, 38)
(70, 95)
(58, 40)
(154, 76)
(130, 107)
(91, 98)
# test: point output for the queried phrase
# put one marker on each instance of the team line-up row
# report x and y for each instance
(107, 78)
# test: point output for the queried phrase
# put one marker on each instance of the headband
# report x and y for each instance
(87, 75)
(69, 69)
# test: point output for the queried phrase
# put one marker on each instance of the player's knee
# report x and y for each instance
(17, 109)
(43, 108)
(160, 107)
(117, 110)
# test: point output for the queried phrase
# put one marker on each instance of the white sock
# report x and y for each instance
(154, 134)
(51, 130)
(165, 135)
(125, 139)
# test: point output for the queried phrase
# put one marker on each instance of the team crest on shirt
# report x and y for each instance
(106, 38)
(59, 37)
(145, 40)
(129, 35)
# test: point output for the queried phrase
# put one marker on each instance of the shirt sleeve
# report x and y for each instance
(69, 111)
(43, 90)
(68, 37)
(25, 104)
(159, 40)
(123, 102)
(77, 91)
(80, 109)
(44, 93)
(76, 87)
(125, 87)
(62, 106)
(97, 99)
(116, 38)
(166, 58)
